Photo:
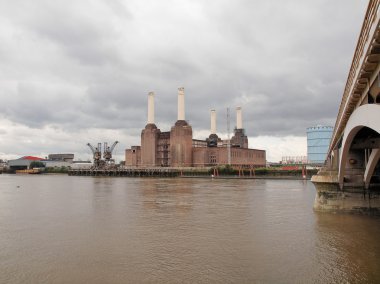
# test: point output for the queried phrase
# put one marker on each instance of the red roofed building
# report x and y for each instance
(22, 163)
(31, 158)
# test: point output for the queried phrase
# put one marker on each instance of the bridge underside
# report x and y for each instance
(350, 181)
(359, 151)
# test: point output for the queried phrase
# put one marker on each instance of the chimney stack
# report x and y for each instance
(239, 119)
(181, 103)
(151, 108)
(213, 121)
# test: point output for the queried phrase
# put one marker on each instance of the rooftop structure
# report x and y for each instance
(61, 157)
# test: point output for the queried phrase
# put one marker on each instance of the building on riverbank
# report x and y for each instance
(58, 160)
(53, 161)
(23, 163)
(177, 148)
(318, 141)
(3, 165)
(294, 160)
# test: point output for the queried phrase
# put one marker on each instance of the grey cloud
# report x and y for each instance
(90, 64)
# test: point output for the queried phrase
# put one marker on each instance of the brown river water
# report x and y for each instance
(65, 229)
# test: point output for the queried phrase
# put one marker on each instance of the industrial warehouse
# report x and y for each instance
(177, 148)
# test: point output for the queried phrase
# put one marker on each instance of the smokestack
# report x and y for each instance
(239, 119)
(181, 103)
(213, 121)
(151, 108)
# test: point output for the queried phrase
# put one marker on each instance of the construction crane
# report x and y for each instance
(97, 153)
(107, 154)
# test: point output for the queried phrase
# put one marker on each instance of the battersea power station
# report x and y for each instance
(177, 148)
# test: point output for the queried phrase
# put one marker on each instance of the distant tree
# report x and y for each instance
(36, 164)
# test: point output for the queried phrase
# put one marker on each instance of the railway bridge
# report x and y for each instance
(350, 180)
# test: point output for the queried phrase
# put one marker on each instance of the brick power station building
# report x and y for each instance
(177, 148)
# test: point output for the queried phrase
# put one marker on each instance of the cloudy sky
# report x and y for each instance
(73, 72)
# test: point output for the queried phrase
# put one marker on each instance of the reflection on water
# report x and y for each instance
(352, 243)
(167, 196)
(60, 229)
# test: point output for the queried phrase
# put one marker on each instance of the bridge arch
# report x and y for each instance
(364, 116)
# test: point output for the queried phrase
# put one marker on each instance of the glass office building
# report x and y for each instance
(318, 141)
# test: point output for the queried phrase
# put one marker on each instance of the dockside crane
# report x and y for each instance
(97, 153)
(107, 154)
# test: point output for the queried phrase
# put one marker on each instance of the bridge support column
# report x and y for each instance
(330, 198)
(371, 164)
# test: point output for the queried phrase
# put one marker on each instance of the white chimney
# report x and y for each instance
(239, 119)
(181, 103)
(213, 121)
(151, 108)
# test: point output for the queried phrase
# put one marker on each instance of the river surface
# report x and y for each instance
(66, 229)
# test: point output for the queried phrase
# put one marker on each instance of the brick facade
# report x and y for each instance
(181, 144)
(133, 156)
(149, 141)
(177, 148)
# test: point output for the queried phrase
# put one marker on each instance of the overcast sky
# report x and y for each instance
(73, 72)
